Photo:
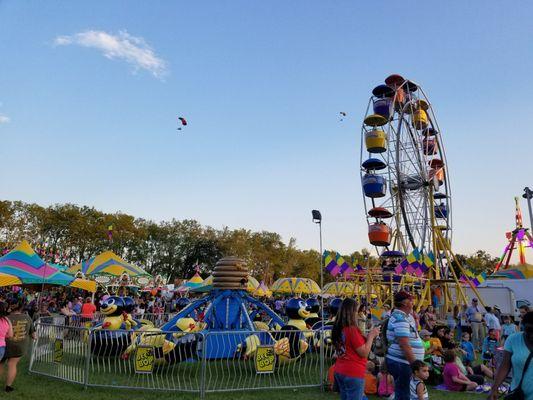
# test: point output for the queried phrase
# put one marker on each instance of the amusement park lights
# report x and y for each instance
(317, 219)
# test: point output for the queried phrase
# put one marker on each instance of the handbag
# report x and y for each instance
(518, 393)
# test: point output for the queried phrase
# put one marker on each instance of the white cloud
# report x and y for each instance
(4, 119)
(133, 50)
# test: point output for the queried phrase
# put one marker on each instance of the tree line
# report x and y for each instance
(68, 234)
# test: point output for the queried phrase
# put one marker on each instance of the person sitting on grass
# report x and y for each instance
(454, 379)
(371, 382)
(488, 349)
(385, 382)
(417, 387)
(435, 340)
(468, 371)
(447, 340)
(425, 335)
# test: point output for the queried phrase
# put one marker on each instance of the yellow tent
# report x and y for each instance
(340, 289)
(262, 291)
(295, 286)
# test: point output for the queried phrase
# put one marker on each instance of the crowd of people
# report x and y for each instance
(421, 348)
(457, 351)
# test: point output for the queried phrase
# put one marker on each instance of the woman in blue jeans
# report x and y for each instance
(352, 350)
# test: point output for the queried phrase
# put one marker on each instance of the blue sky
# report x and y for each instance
(261, 84)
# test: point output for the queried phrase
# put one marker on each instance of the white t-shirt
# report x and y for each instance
(492, 322)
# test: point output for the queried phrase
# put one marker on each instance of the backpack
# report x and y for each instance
(381, 343)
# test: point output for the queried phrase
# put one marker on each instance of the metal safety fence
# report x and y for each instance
(178, 361)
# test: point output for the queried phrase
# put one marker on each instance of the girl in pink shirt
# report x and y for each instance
(6, 329)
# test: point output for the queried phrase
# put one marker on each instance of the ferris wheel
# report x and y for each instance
(404, 171)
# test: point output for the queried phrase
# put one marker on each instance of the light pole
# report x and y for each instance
(528, 195)
(317, 219)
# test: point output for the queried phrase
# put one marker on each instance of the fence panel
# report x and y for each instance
(60, 351)
(295, 356)
(177, 361)
(145, 360)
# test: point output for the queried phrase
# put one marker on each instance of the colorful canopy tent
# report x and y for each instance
(519, 272)
(295, 286)
(262, 291)
(22, 266)
(107, 263)
(207, 285)
(339, 289)
(195, 282)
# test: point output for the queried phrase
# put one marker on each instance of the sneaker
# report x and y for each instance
(9, 388)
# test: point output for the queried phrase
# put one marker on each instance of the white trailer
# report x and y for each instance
(522, 288)
(500, 296)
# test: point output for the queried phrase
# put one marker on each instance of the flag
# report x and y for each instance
(348, 272)
(335, 270)
(329, 261)
(413, 256)
(428, 261)
(377, 314)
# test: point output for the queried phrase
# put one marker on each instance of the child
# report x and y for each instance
(417, 386)
(425, 335)
(467, 348)
(489, 346)
(385, 382)
(454, 379)
(371, 382)
(508, 328)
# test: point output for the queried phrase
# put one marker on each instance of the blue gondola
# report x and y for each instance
(382, 107)
(441, 211)
(374, 164)
(383, 91)
(374, 186)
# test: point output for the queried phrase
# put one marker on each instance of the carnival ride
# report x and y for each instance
(519, 239)
(223, 323)
(407, 194)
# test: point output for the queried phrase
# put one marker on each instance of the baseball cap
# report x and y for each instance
(401, 296)
(474, 299)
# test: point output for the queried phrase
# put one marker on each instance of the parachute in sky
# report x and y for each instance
(342, 115)
(181, 123)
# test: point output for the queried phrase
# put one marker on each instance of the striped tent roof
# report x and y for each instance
(23, 266)
(518, 272)
(295, 286)
(107, 263)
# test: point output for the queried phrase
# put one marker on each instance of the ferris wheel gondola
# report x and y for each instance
(404, 170)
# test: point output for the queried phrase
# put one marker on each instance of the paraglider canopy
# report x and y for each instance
(181, 123)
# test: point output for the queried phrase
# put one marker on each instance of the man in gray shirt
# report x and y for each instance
(475, 317)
